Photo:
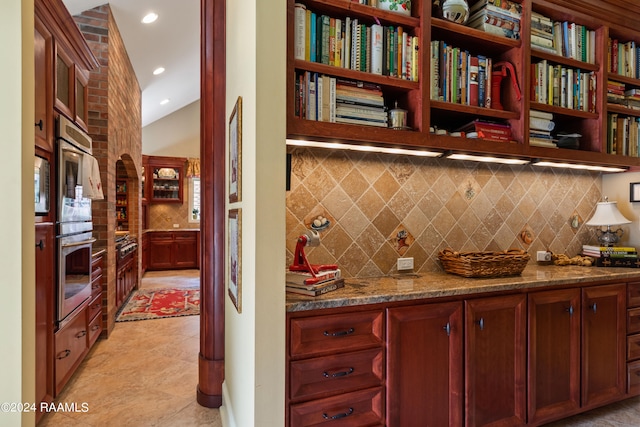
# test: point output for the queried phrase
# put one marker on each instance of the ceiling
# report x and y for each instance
(172, 42)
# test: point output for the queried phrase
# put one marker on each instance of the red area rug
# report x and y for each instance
(160, 303)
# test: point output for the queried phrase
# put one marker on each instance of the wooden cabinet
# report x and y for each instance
(424, 365)
(495, 361)
(144, 252)
(336, 369)
(94, 312)
(71, 93)
(165, 176)
(71, 345)
(45, 286)
(633, 339)
(43, 48)
(126, 277)
(603, 344)
(432, 117)
(173, 250)
(554, 354)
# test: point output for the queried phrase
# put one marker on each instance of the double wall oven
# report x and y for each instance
(75, 226)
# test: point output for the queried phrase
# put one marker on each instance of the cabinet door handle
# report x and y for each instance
(337, 416)
(81, 334)
(338, 374)
(594, 307)
(570, 310)
(481, 323)
(40, 124)
(40, 245)
(447, 328)
(63, 354)
(339, 333)
(95, 328)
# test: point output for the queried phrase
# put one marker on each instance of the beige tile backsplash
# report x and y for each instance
(382, 207)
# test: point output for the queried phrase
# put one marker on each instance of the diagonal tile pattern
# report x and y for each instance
(442, 203)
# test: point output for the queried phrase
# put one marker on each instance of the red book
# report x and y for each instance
(473, 81)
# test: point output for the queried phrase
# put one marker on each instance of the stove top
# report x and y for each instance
(125, 244)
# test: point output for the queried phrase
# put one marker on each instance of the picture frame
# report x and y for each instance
(234, 247)
(235, 153)
(634, 192)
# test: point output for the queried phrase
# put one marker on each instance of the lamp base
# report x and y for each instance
(609, 237)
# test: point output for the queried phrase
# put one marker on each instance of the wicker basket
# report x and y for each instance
(484, 264)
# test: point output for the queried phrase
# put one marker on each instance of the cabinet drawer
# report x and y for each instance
(633, 378)
(184, 235)
(633, 320)
(633, 347)
(321, 335)
(328, 375)
(633, 294)
(160, 235)
(95, 329)
(95, 307)
(360, 408)
(96, 287)
(70, 348)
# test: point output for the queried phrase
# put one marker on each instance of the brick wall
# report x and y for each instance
(115, 126)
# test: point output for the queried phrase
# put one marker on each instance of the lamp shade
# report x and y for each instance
(607, 213)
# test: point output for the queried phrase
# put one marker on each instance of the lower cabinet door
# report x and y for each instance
(424, 365)
(360, 408)
(633, 378)
(495, 357)
(71, 345)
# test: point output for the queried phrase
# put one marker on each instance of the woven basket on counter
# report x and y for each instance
(484, 264)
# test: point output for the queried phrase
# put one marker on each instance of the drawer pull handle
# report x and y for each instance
(594, 307)
(95, 328)
(337, 416)
(338, 374)
(447, 328)
(570, 310)
(81, 334)
(481, 323)
(339, 333)
(63, 354)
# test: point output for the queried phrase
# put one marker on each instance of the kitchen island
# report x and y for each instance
(440, 349)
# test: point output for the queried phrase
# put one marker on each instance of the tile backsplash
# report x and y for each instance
(381, 207)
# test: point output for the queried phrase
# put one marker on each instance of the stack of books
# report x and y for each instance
(610, 251)
(542, 37)
(540, 126)
(490, 131)
(615, 92)
(360, 103)
(306, 284)
(500, 17)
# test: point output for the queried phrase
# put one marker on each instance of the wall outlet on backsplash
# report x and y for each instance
(176, 225)
(405, 264)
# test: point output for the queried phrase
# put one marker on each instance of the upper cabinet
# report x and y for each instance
(534, 71)
(63, 63)
(165, 176)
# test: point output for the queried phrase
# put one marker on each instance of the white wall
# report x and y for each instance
(616, 187)
(253, 391)
(17, 289)
(175, 135)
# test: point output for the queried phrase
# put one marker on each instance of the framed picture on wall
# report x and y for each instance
(634, 192)
(235, 153)
(234, 278)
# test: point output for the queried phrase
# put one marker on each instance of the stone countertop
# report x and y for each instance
(433, 285)
(151, 230)
(98, 252)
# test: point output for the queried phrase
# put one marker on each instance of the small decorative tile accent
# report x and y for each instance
(372, 200)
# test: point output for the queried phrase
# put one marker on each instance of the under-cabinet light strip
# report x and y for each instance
(368, 148)
(487, 159)
(578, 166)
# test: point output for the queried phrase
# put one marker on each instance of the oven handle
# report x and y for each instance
(84, 242)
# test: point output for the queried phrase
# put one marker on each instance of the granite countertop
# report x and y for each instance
(433, 285)
(151, 230)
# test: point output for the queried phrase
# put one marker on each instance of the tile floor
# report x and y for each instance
(144, 374)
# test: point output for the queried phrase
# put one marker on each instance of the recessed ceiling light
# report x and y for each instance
(149, 18)
(158, 70)
(164, 101)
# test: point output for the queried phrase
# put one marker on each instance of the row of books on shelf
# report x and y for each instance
(500, 17)
(329, 99)
(352, 44)
(306, 284)
(623, 135)
(623, 58)
(459, 77)
(563, 38)
(541, 125)
(563, 86)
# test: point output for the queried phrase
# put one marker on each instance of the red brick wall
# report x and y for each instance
(115, 126)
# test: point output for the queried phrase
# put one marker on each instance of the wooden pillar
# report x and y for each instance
(212, 222)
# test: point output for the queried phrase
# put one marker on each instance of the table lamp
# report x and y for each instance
(606, 215)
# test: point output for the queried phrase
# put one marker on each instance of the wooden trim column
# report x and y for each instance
(212, 221)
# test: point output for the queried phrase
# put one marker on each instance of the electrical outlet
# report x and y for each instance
(176, 225)
(405, 263)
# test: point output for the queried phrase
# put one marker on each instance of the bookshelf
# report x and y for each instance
(122, 210)
(426, 111)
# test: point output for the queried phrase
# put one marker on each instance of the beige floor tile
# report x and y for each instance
(144, 374)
